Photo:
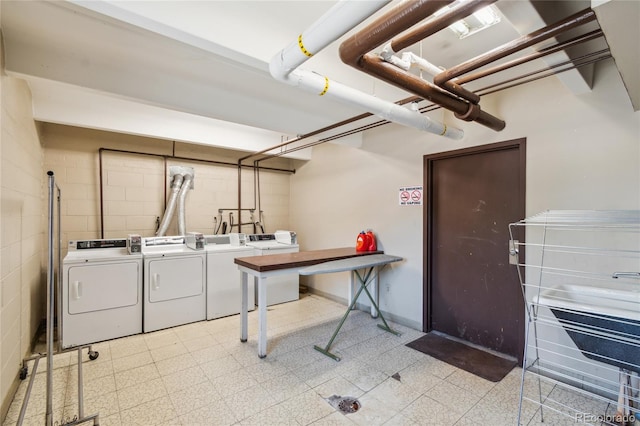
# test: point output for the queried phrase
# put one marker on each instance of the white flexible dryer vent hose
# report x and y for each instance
(182, 221)
(171, 205)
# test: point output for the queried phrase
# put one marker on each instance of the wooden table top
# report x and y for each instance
(274, 262)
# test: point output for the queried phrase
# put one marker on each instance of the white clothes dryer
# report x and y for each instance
(101, 292)
(224, 290)
(174, 283)
(282, 288)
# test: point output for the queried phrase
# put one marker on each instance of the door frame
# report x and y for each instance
(427, 215)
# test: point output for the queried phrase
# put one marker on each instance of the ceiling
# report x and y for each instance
(197, 71)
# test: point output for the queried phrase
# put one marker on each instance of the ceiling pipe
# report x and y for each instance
(329, 27)
(536, 55)
(354, 50)
(443, 79)
(422, 88)
(343, 16)
(438, 23)
(323, 130)
(433, 107)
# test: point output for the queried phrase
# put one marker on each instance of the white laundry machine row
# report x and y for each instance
(112, 288)
(174, 282)
(282, 288)
(224, 290)
(101, 291)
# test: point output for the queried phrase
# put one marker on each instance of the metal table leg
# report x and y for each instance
(244, 309)
(262, 317)
(363, 286)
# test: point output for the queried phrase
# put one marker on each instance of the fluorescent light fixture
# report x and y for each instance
(478, 21)
(460, 28)
(487, 16)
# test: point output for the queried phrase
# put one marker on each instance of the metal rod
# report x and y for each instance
(527, 58)
(325, 350)
(572, 63)
(50, 303)
(428, 108)
(25, 401)
(322, 130)
(239, 193)
(354, 52)
(101, 184)
(199, 160)
(165, 157)
(235, 209)
(375, 305)
(514, 46)
(59, 275)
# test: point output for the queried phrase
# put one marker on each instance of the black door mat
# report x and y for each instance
(475, 361)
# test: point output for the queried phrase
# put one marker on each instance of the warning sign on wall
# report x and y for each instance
(410, 196)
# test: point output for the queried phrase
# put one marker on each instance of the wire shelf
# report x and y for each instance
(580, 276)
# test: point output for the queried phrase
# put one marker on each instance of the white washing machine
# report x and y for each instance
(101, 292)
(224, 291)
(282, 288)
(174, 283)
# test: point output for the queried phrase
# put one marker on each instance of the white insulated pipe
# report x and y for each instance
(316, 83)
(336, 22)
(422, 64)
(171, 205)
(408, 59)
(182, 195)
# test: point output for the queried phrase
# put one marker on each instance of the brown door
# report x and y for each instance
(471, 291)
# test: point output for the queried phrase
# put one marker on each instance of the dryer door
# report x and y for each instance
(170, 278)
(96, 287)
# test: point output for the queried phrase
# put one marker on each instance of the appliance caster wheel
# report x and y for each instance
(93, 355)
(23, 373)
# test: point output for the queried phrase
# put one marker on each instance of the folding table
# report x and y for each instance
(370, 266)
(263, 267)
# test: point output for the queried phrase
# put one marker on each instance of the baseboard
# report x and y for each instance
(415, 325)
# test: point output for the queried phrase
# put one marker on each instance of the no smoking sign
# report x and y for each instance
(410, 196)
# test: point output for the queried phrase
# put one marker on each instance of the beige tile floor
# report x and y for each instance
(201, 374)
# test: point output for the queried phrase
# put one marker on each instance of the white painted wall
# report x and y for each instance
(583, 152)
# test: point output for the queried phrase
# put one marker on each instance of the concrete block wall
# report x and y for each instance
(135, 187)
(23, 222)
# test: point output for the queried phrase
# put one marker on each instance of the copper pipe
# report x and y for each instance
(375, 65)
(542, 52)
(324, 129)
(354, 52)
(385, 27)
(577, 62)
(573, 21)
(437, 23)
(433, 107)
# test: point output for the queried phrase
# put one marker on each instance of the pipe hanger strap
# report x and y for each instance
(326, 87)
(302, 48)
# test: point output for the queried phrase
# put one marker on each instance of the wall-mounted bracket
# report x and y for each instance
(513, 252)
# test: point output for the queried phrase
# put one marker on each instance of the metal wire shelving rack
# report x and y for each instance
(580, 277)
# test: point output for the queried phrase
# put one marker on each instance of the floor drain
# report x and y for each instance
(344, 404)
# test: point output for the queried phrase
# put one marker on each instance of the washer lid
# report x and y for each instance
(270, 245)
(220, 248)
(99, 255)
